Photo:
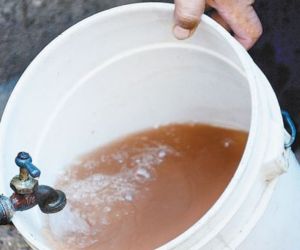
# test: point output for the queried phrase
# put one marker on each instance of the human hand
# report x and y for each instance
(236, 15)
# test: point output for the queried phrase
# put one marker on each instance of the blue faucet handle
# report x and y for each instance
(24, 160)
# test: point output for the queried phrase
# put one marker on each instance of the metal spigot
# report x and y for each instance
(28, 192)
(24, 183)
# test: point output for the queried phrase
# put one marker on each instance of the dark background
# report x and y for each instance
(27, 26)
(277, 52)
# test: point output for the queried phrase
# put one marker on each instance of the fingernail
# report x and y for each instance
(181, 33)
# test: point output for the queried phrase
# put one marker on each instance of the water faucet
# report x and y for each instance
(28, 193)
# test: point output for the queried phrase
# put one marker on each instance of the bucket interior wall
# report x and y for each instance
(142, 90)
(78, 99)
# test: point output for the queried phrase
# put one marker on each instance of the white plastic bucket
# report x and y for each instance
(122, 71)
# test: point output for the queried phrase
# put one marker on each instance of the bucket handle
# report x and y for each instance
(292, 128)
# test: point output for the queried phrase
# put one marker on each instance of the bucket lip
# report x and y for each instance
(104, 15)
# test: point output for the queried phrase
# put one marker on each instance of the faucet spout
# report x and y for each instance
(50, 200)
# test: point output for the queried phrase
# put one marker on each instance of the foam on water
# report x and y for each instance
(112, 194)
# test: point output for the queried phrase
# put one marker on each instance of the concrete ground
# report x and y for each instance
(10, 239)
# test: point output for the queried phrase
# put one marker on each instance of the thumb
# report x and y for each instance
(187, 17)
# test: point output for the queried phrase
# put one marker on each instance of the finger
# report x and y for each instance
(216, 16)
(187, 17)
(243, 21)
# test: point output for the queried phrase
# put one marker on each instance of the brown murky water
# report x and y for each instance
(145, 189)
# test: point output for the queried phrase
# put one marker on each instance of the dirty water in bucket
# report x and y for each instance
(145, 189)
